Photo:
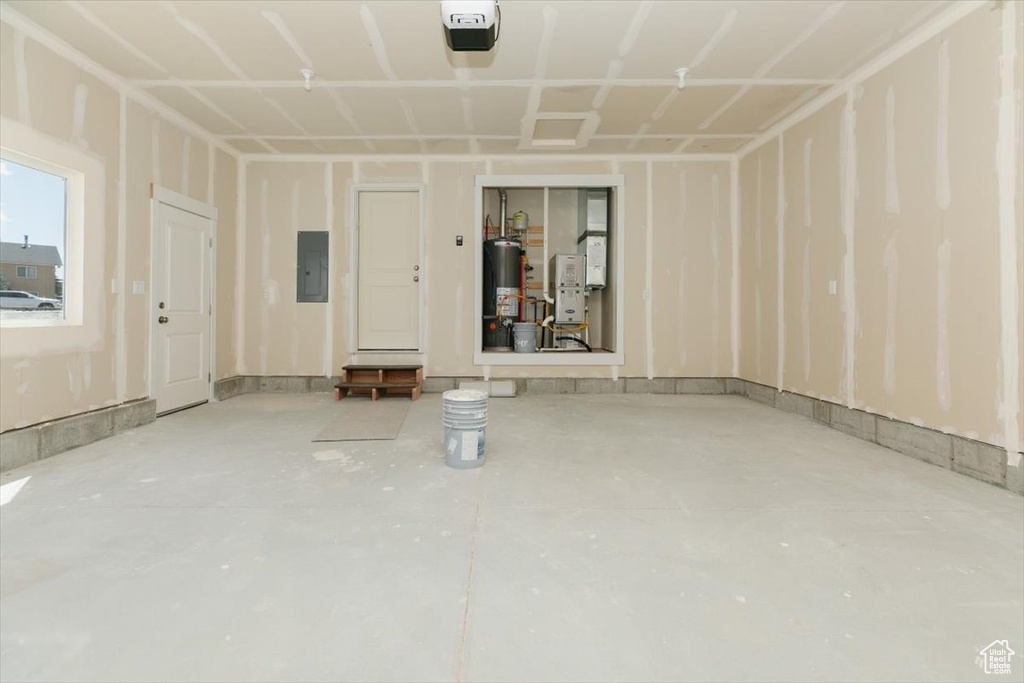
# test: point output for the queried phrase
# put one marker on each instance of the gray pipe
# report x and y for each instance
(503, 211)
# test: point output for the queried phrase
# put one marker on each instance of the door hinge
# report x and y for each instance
(211, 243)
(210, 310)
(208, 377)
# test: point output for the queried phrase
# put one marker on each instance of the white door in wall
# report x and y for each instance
(389, 270)
(181, 308)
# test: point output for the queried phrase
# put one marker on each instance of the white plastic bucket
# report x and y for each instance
(464, 416)
(524, 337)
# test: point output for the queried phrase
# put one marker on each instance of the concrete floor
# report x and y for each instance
(635, 538)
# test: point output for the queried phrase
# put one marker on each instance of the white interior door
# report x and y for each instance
(181, 308)
(389, 270)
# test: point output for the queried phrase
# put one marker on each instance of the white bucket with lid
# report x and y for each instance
(464, 415)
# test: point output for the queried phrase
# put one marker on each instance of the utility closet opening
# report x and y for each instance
(549, 274)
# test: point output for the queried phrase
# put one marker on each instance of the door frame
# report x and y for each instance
(353, 257)
(162, 195)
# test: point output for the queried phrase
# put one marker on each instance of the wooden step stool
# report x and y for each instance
(380, 380)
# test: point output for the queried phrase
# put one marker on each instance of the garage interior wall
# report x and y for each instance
(67, 101)
(889, 190)
(893, 192)
(683, 206)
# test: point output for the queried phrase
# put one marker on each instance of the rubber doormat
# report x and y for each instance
(360, 419)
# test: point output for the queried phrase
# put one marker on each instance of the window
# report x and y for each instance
(33, 238)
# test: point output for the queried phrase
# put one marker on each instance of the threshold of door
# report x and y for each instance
(181, 408)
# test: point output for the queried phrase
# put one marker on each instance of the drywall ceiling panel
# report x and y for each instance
(187, 104)
(377, 111)
(62, 20)
(570, 98)
(690, 107)
(759, 34)
(860, 31)
(332, 34)
(448, 146)
(168, 38)
(715, 145)
(250, 109)
(247, 36)
(412, 38)
(435, 111)
(497, 111)
(314, 111)
(346, 146)
(628, 108)
(605, 146)
(587, 38)
(499, 147)
(627, 146)
(688, 27)
(286, 146)
(397, 146)
(755, 107)
(248, 146)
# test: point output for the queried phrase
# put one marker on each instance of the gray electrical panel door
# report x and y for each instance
(311, 267)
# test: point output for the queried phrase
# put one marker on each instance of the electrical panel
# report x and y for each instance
(311, 281)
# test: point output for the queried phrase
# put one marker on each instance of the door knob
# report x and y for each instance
(415, 267)
(416, 278)
(163, 320)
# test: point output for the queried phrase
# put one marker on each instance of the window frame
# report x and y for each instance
(85, 235)
(30, 269)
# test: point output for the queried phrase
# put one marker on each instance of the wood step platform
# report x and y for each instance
(380, 380)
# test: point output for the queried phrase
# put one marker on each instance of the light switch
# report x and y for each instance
(115, 286)
(832, 287)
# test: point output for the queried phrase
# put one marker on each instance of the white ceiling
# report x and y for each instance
(385, 81)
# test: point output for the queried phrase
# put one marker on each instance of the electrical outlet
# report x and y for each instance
(138, 287)
(647, 294)
(832, 287)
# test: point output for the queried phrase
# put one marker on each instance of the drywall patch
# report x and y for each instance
(377, 42)
(681, 273)
(757, 214)
(942, 191)
(120, 343)
(78, 115)
(780, 250)
(154, 149)
(186, 149)
(805, 309)
(21, 73)
(269, 296)
(808, 145)
(942, 354)
(333, 250)
(1009, 292)
(716, 303)
(847, 201)
(890, 260)
(892, 189)
(648, 273)
(241, 233)
(734, 192)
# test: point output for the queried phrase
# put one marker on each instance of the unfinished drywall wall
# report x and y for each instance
(63, 99)
(684, 332)
(893, 192)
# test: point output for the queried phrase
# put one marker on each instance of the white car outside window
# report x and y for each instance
(11, 299)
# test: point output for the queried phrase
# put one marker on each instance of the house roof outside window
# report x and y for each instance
(33, 255)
